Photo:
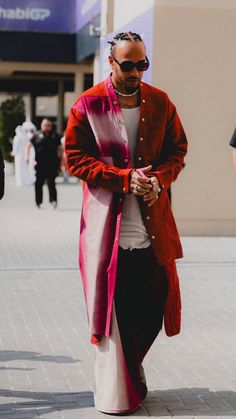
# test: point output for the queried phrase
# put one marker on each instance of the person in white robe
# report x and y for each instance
(24, 170)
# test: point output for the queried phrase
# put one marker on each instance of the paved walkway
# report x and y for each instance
(46, 361)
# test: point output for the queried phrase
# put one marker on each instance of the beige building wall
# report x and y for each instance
(195, 62)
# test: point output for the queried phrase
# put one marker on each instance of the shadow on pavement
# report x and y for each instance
(191, 402)
(35, 356)
(42, 403)
(16, 368)
(177, 402)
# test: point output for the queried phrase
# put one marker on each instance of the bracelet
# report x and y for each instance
(158, 191)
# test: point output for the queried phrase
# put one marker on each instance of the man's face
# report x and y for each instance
(127, 51)
(46, 126)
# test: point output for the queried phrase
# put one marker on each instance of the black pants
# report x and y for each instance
(41, 178)
(140, 295)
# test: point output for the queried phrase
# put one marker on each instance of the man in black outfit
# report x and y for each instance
(48, 154)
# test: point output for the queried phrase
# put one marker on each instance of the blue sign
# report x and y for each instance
(38, 15)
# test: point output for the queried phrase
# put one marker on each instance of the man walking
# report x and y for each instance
(48, 154)
(125, 140)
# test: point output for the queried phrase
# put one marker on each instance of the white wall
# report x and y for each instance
(195, 62)
(127, 10)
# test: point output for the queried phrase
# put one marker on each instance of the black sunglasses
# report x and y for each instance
(127, 66)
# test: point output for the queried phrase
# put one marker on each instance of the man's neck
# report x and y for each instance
(126, 102)
(122, 89)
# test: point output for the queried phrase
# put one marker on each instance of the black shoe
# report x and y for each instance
(144, 391)
(143, 383)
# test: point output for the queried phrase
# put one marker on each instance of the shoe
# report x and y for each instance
(144, 391)
(39, 206)
(143, 383)
(53, 205)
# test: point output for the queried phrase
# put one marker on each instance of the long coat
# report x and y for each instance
(98, 152)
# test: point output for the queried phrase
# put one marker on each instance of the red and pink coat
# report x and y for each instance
(98, 152)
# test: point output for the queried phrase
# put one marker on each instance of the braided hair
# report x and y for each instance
(124, 36)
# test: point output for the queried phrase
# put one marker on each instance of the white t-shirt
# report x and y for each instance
(133, 234)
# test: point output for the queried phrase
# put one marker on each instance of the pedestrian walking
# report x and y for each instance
(48, 154)
(233, 144)
(24, 170)
(30, 130)
(124, 139)
(2, 175)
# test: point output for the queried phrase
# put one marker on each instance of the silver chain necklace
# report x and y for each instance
(126, 94)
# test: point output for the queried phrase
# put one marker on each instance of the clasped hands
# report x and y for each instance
(146, 187)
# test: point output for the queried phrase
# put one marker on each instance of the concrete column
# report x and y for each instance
(60, 107)
(107, 16)
(79, 80)
(96, 68)
(32, 107)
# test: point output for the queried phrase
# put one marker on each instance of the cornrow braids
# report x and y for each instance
(124, 36)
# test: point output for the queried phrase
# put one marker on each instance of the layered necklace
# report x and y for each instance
(126, 94)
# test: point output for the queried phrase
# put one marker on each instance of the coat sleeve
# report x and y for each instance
(173, 151)
(82, 155)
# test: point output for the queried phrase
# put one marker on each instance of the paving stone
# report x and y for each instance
(158, 411)
(46, 361)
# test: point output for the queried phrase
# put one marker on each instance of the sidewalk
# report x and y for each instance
(46, 361)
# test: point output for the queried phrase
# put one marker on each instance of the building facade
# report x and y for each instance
(46, 53)
(53, 53)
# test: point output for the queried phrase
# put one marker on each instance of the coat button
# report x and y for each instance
(144, 101)
(140, 158)
(141, 138)
(126, 160)
(153, 237)
(124, 189)
(148, 218)
(143, 119)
